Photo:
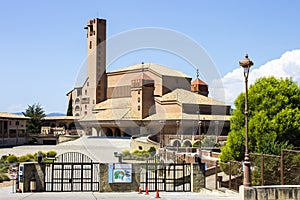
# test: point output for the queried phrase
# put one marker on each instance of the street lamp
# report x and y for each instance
(246, 63)
(199, 131)
(161, 135)
(177, 123)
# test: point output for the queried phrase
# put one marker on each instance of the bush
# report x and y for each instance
(151, 150)
(3, 177)
(197, 143)
(209, 141)
(51, 154)
(3, 159)
(12, 159)
(4, 168)
(30, 156)
(24, 158)
(140, 154)
(126, 153)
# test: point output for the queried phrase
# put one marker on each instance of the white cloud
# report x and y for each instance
(288, 65)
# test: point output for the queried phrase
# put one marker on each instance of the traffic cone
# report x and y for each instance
(146, 192)
(140, 191)
(157, 194)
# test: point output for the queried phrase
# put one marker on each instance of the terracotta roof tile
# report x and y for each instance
(165, 71)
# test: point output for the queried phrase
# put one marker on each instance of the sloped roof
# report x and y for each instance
(186, 116)
(113, 103)
(198, 81)
(164, 71)
(61, 118)
(107, 115)
(12, 116)
(111, 109)
(188, 97)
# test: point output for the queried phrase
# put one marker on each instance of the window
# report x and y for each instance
(139, 91)
(77, 101)
(17, 123)
(85, 92)
(85, 106)
(139, 107)
(77, 108)
(87, 84)
(139, 99)
(79, 92)
(90, 44)
(85, 113)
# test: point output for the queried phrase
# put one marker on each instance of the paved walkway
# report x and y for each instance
(6, 194)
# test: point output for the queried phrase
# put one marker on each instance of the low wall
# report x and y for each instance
(139, 144)
(67, 138)
(105, 186)
(272, 192)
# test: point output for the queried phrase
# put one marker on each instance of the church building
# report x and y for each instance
(145, 99)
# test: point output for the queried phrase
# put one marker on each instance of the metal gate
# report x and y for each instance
(71, 172)
(166, 177)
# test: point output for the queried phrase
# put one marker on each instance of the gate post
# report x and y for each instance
(197, 178)
(33, 170)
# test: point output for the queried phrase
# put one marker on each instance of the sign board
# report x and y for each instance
(119, 173)
(13, 172)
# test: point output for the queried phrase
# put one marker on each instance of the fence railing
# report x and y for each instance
(265, 170)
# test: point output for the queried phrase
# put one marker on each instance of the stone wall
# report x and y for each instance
(197, 178)
(275, 192)
(33, 171)
(139, 144)
(119, 187)
(67, 138)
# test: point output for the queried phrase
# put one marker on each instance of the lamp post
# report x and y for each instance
(161, 135)
(177, 123)
(199, 131)
(246, 63)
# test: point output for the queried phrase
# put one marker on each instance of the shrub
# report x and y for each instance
(197, 143)
(24, 158)
(4, 168)
(3, 177)
(3, 159)
(30, 156)
(126, 153)
(12, 159)
(51, 154)
(209, 141)
(140, 154)
(151, 150)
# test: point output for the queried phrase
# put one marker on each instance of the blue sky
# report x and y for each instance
(43, 43)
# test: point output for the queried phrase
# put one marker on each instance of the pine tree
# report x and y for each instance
(70, 107)
(36, 114)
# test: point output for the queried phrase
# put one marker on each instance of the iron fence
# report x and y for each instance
(265, 170)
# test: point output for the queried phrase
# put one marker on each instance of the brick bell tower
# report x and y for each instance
(96, 60)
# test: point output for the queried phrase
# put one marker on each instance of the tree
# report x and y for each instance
(70, 107)
(274, 119)
(36, 114)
